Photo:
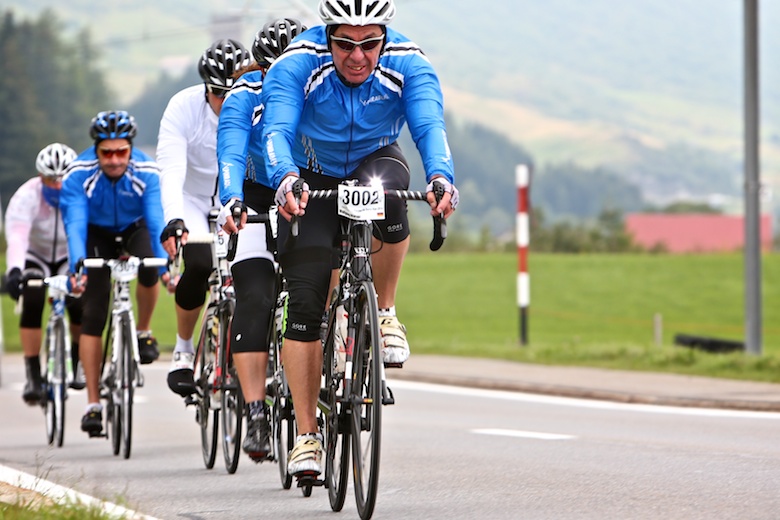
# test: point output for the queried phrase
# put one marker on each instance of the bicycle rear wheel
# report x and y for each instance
(282, 414)
(208, 419)
(127, 387)
(337, 427)
(232, 405)
(366, 401)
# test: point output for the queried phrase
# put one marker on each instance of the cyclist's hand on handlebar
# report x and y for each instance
(170, 282)
(173, 235)
(292, 196)
(13, 283)
(448, 194)
(78, 280)
(229, 218)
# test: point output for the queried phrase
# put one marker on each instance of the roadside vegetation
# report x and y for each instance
(586, 309)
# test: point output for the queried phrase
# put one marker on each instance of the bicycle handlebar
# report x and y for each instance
(439, 222)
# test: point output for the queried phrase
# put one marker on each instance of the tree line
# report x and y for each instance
(50, 89)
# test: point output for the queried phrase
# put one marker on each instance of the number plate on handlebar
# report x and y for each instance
(221, 244)
(361, 202)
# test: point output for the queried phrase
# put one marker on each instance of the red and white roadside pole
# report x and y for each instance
(523, 178)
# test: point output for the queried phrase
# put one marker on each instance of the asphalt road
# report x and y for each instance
(448, 453)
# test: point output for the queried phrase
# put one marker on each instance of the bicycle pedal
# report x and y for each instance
(190, 401)
(97, 434)
(393, 365)
(309, 479)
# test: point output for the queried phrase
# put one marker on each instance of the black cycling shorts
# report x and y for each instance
(34, 298)
(308, 265)
(102, 243)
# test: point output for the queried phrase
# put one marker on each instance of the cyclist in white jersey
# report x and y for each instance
(187, 156)
(37, 248)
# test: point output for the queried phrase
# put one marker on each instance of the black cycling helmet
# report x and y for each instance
(273, 38)
(113, 124)
(221, 60)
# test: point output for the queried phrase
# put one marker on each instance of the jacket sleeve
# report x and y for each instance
(283, 98)
(172, 158)
(19, 215)
(424, 106)
(75, 216)
(235, 125)
(153, 215)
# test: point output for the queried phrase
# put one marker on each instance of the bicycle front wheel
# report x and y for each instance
(232, 406)
(127, 387)
(366, 401)
(208, 419)
(56, 386)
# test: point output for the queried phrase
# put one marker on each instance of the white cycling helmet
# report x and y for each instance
(356, 12)
(53, 160)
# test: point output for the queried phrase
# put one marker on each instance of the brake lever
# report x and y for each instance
(439, 222)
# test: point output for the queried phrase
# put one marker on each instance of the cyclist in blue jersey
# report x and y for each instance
(335, 103)
(186, 154)
(243, 181)
(111, 201)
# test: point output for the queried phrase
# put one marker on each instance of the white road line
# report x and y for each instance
(524, 434)
(63, 495)
(580, 403)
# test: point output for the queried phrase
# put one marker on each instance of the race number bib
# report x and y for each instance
(361, 202)
(221, 244)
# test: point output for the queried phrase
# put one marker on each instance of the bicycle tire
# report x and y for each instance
(232, 400)
(113, 406)
(337, 429)
(208, 419)
(366, 401)
(282, 415)
(60, 387)
(128, 386)
(52, 405)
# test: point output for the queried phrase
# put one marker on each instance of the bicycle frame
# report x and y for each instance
(121, 374)
(59, 364)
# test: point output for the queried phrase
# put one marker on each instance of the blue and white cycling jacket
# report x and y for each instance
(239, 138)
(89, 197)
(313, 120)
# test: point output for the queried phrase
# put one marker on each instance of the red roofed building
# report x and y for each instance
(694, 233)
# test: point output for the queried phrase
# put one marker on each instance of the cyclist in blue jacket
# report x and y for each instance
(111, 192)
(243, 181)
(335, 103)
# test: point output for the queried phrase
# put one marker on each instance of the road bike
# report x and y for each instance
(218, 397)
(58, 365)
(351, 400)
(120, 372)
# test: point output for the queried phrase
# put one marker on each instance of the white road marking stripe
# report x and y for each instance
(581, 403)
(524, 434)
(63, 495)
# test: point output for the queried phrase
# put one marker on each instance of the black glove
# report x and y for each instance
(13, 283)
(175, 228)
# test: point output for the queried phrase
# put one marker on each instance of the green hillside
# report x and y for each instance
(601, 83)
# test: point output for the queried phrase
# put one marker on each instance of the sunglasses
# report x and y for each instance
(218, 91)
(347, 45)
(121, 153)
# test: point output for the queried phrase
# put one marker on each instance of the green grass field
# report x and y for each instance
(593, 310)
